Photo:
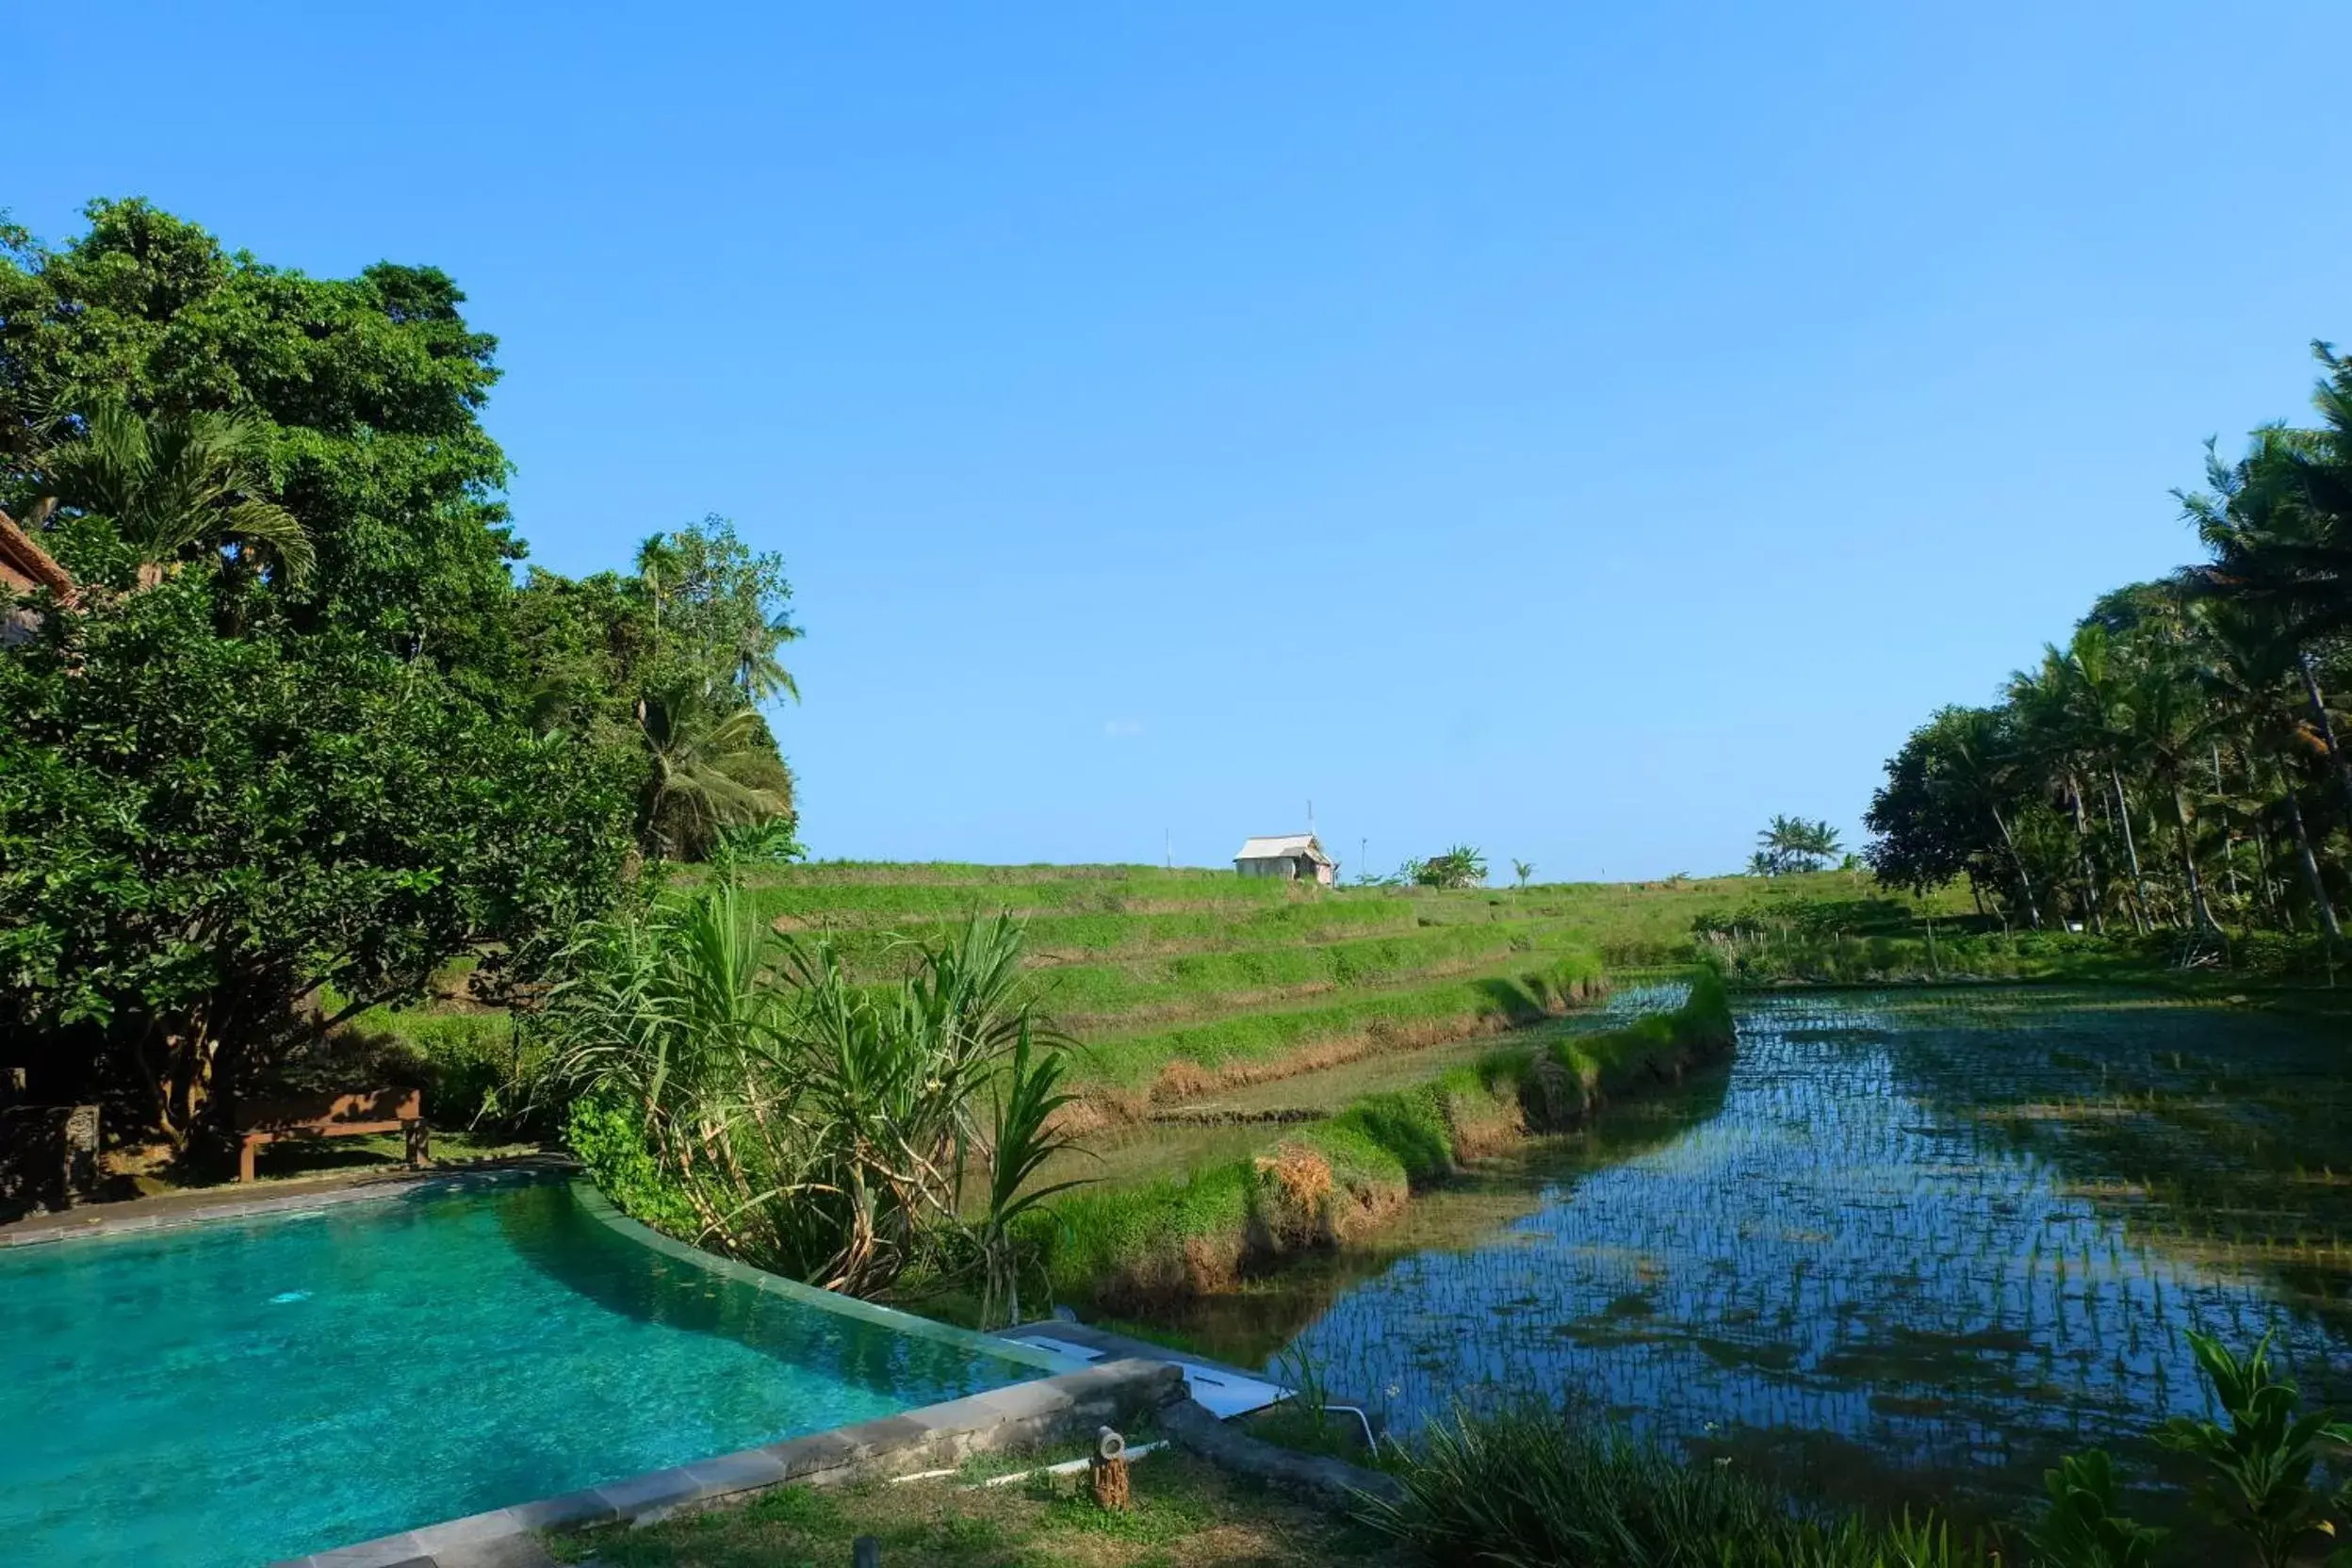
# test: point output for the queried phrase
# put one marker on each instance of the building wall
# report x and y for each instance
(1280, 865)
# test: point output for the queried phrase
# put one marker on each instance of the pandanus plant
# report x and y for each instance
(809, 1122)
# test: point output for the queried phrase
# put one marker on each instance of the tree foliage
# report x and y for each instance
(1458, 866)
(214, 849)
(2176, 762)
(304, 739)
(1793, 845)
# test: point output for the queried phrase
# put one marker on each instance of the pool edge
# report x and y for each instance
(600, 1208)
(101, 1226)
(1037, 1410)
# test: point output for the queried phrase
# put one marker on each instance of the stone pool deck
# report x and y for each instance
(1047, 1409)
(167, 1211)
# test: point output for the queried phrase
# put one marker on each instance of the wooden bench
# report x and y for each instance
(333, 1116)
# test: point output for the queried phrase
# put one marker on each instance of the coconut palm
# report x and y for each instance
(175, 486)
(1793, 845)
(713, 767)
(2280, 520)
(2053, 739)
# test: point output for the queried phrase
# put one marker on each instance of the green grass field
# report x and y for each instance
(1180, 984)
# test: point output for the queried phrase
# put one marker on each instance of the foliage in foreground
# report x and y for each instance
(742, 1092)
(1535, 1488)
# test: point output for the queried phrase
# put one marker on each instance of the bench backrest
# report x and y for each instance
(324, 1112)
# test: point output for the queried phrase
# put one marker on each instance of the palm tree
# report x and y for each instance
(1792, 843)
(2244, 664)
(175, 486)
(2280, 520)
(2280, 524)
(2094, 696)
(713, 767)
(2170, 725)
(2050, 733)
(1982, 765)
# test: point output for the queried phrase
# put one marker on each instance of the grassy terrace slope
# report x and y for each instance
(1177, 983)
(1182, 983)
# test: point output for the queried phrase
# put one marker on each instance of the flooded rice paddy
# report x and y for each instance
(1909, 1242)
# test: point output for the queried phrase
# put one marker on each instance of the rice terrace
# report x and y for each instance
(970, 858)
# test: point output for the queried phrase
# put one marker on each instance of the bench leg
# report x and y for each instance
(420, 1144)
(245, 1156)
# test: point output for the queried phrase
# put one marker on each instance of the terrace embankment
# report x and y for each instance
(1180, 985)
(1336, 1180)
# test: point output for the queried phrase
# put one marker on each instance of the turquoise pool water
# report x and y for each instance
(237, 1393)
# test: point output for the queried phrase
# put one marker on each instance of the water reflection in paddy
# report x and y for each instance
(1949, 1233)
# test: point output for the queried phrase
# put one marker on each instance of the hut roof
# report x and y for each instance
(1282, 846)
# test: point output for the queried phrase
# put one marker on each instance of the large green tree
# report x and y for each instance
(362, 397)
(214, 849)
(301, 766)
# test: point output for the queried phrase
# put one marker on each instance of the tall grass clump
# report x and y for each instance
(1530, 1486)
(740, 1090)
(1526, 1488)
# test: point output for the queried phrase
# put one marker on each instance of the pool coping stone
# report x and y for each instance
(1039, 1411)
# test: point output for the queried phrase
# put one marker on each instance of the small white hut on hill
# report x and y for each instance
(1297, 856)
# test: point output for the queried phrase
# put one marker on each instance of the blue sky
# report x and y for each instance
(1579, 431)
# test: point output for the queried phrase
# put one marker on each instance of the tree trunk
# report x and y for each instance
(2310, 867)
(2264, 891)
(2199, 913)
(2132, 851)
(2228, 839)
(2337, 763)
(2025, 883)
(2082, 855)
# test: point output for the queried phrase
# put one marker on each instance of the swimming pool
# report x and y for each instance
(239, 1392)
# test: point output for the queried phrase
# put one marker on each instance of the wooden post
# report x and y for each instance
(1108, 1470)
(420, 1143)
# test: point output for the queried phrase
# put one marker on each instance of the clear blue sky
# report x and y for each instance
(1576, 430)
